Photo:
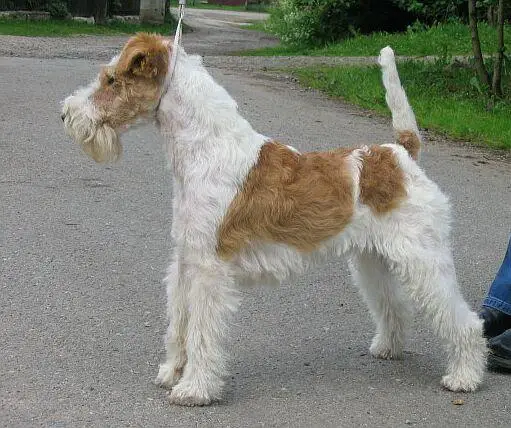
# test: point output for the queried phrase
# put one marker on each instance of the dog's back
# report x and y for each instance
(403, 119)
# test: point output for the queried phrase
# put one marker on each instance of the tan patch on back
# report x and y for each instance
(382, 181)
(410, 142)
(299, 200)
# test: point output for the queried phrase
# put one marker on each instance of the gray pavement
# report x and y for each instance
(211, 32)
(83, 248)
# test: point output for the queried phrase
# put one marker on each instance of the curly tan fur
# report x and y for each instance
(300, 200)
(303, 199)
(125, 90)
(382, 185)
(132, 87)
(410, 141)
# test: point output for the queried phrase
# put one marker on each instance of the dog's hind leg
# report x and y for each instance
(175, 339)
(383, 295)
(427, 270)
(211, 301)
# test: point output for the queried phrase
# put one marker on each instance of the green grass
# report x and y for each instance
(53, 28)
(441, 95)
(441, 40)
(255, 26)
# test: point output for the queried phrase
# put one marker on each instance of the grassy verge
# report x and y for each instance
(441, 95)
(441, 40)
(53, 28)
(255, 26)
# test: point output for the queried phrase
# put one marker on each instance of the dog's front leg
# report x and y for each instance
(212, 299)
(175, 340)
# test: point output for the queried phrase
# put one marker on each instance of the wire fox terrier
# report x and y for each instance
(248, 209)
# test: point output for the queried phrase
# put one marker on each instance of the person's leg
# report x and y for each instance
(496, 310)
(496, 313)
(499, 295)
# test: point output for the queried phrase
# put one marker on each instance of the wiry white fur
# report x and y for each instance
(211, 149)
(83, 123)
(397, 258)
(403, 118)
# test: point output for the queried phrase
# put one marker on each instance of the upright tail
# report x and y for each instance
(403, 119)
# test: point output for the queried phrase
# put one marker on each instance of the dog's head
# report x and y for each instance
(127, 89)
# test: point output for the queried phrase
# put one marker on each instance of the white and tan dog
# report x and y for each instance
(250, 210)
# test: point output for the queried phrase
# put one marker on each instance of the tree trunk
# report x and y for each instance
(483, 74)
(100, 9)
(496, 86)
(491, 15)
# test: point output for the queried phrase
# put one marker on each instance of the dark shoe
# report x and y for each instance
(500, 352)
(495, 322)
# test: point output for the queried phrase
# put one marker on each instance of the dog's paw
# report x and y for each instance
(385, 351)
(185, 394)
(459, 383)
(168, 376)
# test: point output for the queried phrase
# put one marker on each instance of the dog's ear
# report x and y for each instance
(145, 55)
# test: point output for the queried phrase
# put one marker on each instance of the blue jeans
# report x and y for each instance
(499, 295)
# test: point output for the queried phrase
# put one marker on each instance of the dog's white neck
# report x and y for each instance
(202, 126)
(211, 149)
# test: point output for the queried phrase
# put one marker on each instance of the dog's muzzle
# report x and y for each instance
(97, 139)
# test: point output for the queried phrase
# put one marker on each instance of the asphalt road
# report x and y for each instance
(83, 248)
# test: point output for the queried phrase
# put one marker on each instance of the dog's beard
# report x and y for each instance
(101, 142)
(103, 145)
(98, 140)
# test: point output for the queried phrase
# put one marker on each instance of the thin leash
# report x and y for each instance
(177, 37)
(173, 59)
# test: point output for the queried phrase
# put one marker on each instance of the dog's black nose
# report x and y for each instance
(62, 116)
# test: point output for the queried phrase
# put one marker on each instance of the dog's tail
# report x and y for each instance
(403, 119)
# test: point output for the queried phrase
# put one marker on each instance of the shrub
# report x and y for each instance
(310, 22)
(29, 5)
(57, 9)
(431, 11)
(316, 22)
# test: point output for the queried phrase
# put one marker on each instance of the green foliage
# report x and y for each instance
(318, 22)
(435, 10)
(57, 9)
(31, 5)
(443, 39)
(312, 22)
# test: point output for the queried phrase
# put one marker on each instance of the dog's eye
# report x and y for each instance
(110, 80)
